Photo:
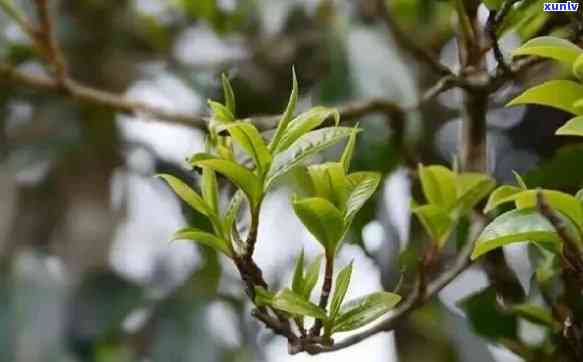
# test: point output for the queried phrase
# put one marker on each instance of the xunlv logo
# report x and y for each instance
(567, 6)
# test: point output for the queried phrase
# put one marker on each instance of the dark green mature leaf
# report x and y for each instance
(340, 289)
(311, 277)
(486, 318)
(287, 115)
(550, 47)
(229, 94)
(204, 238)
(364, 185)
(438, 185)
(187, 194)
(292, 303)
(322, 219)
(237, 174)
(249, 138)
(361, 311)
(535, 313)
(305, 147)
(573, 127)
(517, 226)
(304, 123)
(561, 94)
(436, 221)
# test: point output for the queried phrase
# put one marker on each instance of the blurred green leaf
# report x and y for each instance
(573, 127)
(550, 47)
(361, 311)
(561, 94)
(436, 222)
(229, 94)
(438, 185)
(349, 150)
(471, 189)
(221, 113)
(500, 196)
(312, 276)
(485, 317)
(298, 276)
(536, 314)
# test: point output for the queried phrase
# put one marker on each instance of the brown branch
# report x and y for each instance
(45, 39)
(325, 294)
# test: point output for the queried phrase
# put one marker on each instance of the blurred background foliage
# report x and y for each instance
(86, 273)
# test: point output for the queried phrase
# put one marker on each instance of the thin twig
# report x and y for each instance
(46, 40)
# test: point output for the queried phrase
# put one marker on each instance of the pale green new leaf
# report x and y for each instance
(298, 276)
(501, 195)
(517, 226)
(578, 67)
(471, 189)
(322, 219)
(249, 138)
(237, 174)
(519, 180)
(329, 181)
(561, 94)
(188, 195)
(436, 221)
(263, 297)
(229, 94)
(304, 123)
(340, 289)
(295, 304)
(287, 115)
(349, 150)
(560, 201)
(204, 238)
(550, 47)
(573, 127)
(221, 113)
(364, 184)
(210, 189)
(438, 184)
(361, 311)
(311, 277)
(305, 147)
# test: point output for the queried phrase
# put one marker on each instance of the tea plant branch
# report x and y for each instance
(495, 18)
(421, 294)
(325, 294)
(45, 39)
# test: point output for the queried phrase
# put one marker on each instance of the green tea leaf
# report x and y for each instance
(364, 185)
(221, 113)
(573, 127)
(349, 150)
(263, 297)
(550, 47)
(237, 174)
(305, 147)
(560, 201)
(561, 94)
(287, 115)
(486, 318)
(292, 303)
(304, 123)
(311, 277)
(340, 289)
(361, 311)
(322, 219)
(501, 195)
(204, 238)
(519, 180)
(578, 67)
(188, 195)
(230, 217)
(249, 138)
(329, 181)
(436, 221)
(471, 189)
(229, 94)
(210, 189)
(518, 226)
(438, 185)
(298, 278)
